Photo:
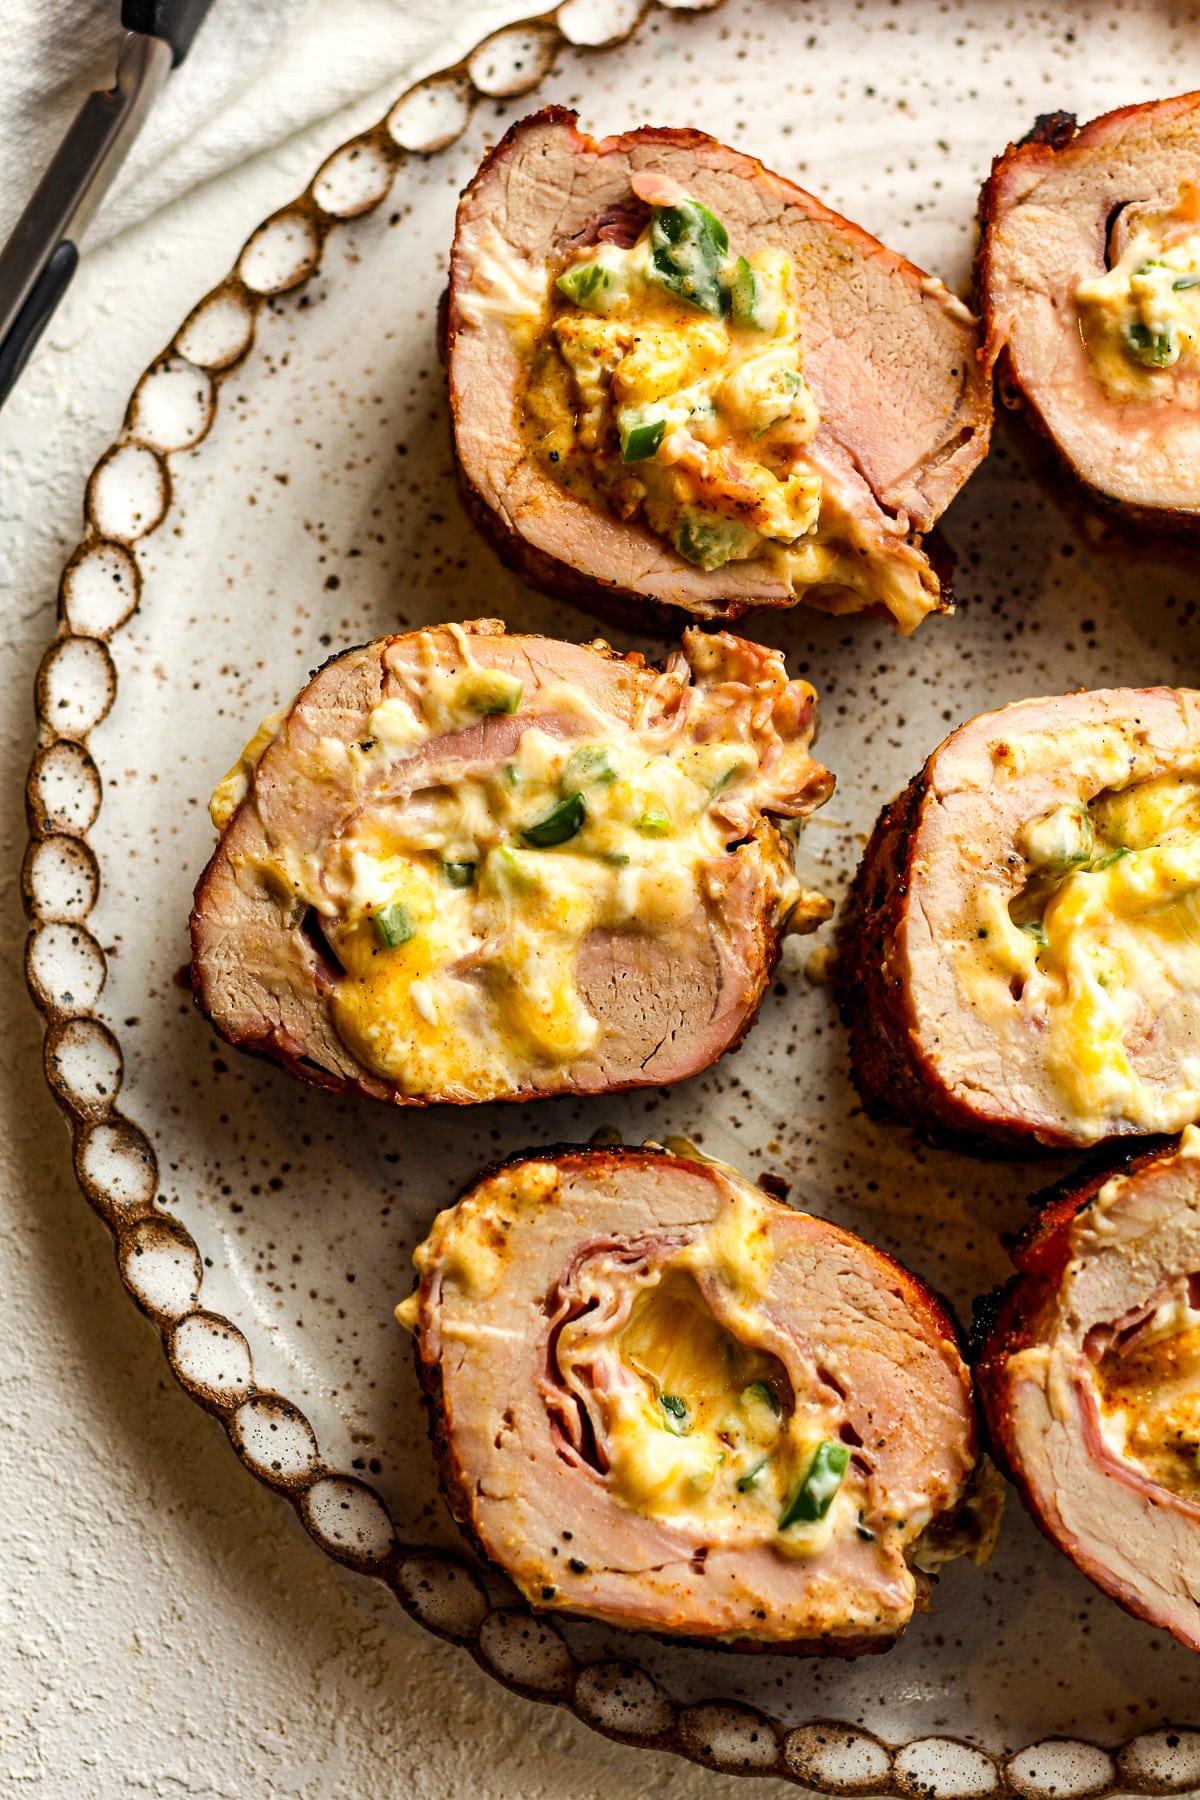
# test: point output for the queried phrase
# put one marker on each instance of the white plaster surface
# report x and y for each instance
(165, 1629)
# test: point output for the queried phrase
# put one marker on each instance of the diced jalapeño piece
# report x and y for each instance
(654, 822)
(775, 403)
(1060, 840)
(459, 874)
(1106, 862)
(394, 924)
(589, 284)
(748, 304)
(510, 870)
(493, 691)
(751, 1478)
(590, 765)
(1156, 349)
(740, 761)
(822, 1479)
(688, 247)
(676, 1414)
(560, 824)
(1185, 281)
(642, 430)
(759, 1392)
(707, 540)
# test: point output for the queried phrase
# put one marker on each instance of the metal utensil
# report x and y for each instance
(40, 257)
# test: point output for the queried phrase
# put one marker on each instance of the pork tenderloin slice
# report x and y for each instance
(946, 1033)
(668, 1001)
(1054, 212)
(890, 356)
(1101, 1250)
(488, 1317)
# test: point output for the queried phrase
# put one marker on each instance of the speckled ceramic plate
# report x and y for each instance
(282, 488)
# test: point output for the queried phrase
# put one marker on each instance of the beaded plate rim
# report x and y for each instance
(115, 1161)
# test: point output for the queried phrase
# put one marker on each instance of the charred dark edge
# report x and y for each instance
(1056, 1205)
(455, 1485)
(985, 1312)
(1120, 527)
(1170, 526)
(1054, 129)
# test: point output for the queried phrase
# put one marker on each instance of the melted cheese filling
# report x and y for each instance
(459, 915)
(697, 1422)
(725, 405)
(695, 417)
(1141, 319)
(1099, 945)
(1148, 1389)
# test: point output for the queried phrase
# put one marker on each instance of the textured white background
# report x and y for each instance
(164, 1628)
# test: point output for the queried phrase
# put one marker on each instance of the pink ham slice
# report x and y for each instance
(1099, 1251)
(669, 1004)
(891, 358)
(536, 1501)
(1049, 212)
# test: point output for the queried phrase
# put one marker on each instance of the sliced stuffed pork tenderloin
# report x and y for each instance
(466, 866)
(665, 1401)
(1089, 279)
(1090, 1379)
(1019, 959)
(677, 378)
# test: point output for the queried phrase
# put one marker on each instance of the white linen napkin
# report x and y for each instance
(259, 71)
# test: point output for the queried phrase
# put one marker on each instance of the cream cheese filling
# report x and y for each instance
(1141, 319)
(1098, 947)
(1147, 1385)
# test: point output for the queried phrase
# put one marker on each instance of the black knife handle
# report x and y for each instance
(34, 316)
(175, 21)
